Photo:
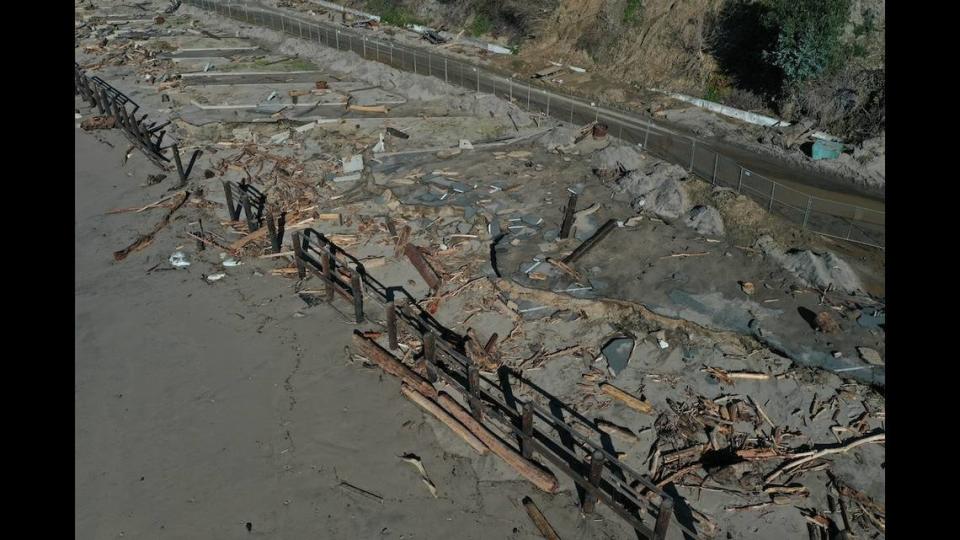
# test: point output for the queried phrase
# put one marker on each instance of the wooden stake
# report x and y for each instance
(539, 519)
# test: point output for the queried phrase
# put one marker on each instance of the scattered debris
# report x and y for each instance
(415, 460)
(179, 260)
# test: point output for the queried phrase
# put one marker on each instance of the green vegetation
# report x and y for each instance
(808, 42)
(481, 25)
(391, 13)
(633, 12)
(717, 88)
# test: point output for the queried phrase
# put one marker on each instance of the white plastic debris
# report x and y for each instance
(216, 277)
(577, 69)
(178, 259)
(77, 116)
(465, 144)
(271, 96)
(662, 343)
(379, 147)
(231, 262)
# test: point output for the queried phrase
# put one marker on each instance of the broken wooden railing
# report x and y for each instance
(148, 137)
(538, 432)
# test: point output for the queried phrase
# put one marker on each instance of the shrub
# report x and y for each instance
(633, 12)
(481, 25)
(809, 32)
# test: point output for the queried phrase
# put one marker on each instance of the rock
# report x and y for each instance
(658, 191)
(706, 220)
(826, 323)
(870, 356)
(617, 353)
(747, 287)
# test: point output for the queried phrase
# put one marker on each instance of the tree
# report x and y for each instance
(809, 32)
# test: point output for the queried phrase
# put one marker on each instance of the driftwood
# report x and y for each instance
(539, 519)
(878, 438)
(431, 407)
(543, 479)
(628, 399)
(145, 240)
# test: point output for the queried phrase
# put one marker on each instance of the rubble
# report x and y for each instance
(713, 406)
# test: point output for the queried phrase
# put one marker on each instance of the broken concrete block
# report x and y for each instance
(353, 164)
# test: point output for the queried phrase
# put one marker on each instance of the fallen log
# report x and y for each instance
(262, 233)
(431, 407)
(382, 357)
(543, 479)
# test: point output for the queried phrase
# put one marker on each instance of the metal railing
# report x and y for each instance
(538, 431)
(819, 215)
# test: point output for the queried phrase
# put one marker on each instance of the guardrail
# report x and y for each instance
(829, 218)
(539, 432)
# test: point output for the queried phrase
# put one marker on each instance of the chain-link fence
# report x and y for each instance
(822, 216)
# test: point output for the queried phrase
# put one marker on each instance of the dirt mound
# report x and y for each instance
(816, 269)
(630, 158)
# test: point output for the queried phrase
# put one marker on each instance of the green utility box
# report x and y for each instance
(826, 150)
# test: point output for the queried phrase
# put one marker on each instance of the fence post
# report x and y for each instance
(526, 423)
(716, 162)
(806, 213)
(355, 288)
(596, 470)
(646, 136)
(430, 355)
(326, 266)
(663, 519)
(773, 189)
(693, 152)
(473, 386)
(414, 61)
(391, 309)
(298, 255)
(740, 180)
